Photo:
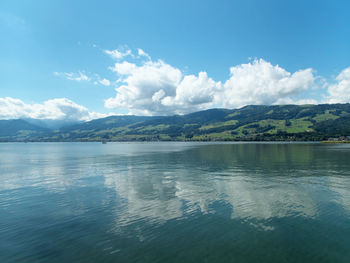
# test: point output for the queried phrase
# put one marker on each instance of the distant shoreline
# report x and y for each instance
(335, 141)
(199, 141)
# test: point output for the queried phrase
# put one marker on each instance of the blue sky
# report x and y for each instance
(57, 60)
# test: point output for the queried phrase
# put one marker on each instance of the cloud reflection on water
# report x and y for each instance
(164, 181)
(258, 184)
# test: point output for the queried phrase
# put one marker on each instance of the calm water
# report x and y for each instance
(174, 202)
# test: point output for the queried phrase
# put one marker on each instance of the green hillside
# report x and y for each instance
(262, 123)
(251, 123)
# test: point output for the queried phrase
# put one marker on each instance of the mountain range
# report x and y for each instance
(250, 123)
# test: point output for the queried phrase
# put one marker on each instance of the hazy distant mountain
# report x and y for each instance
(280, 122)
(52, 124)
(19, 130)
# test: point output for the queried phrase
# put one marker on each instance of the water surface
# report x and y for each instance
(174, 202)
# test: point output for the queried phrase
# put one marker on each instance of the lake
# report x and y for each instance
(174, 202)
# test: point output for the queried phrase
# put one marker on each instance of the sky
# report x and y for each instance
(81, 60)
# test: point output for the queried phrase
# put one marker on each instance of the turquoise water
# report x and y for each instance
(174, 202)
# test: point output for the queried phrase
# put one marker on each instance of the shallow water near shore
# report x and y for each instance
(174, 202)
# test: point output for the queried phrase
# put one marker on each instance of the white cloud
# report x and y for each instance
(193, 93)
(142, 53)
(339, 92)
(146, 87)
(140, 83)
(157, 96)
(295, 101)
(56, 109)
(118, 54)
(104, 82)
(157, 88)
(124, 68)
(260, 82)
(80, 76)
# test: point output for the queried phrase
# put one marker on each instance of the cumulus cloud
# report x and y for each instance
(55, 109)
(80, 76)
(193, 92)
(339, 92)
(153, 87)
(157, 88)
(140, 83)
(260, 82)
(124, 68)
